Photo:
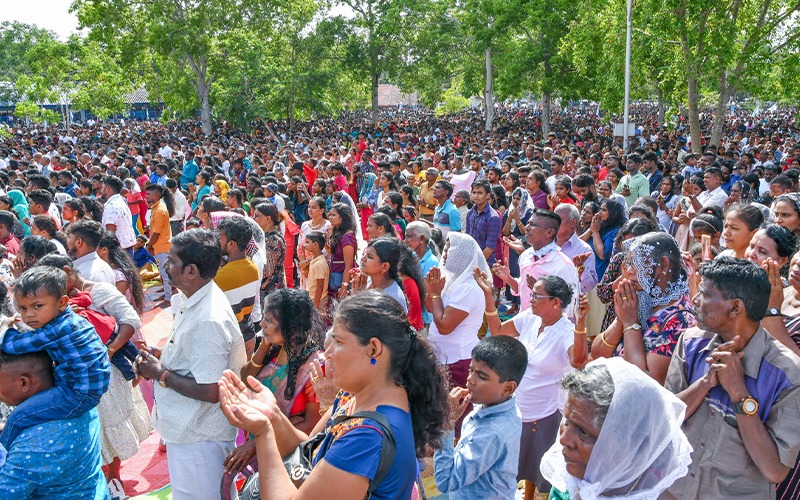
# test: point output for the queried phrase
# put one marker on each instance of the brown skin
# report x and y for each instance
(578, 435)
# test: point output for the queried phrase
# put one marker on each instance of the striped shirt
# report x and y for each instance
(239, 280)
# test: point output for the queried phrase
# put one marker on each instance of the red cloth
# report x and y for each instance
(104, 325)
(310, 173)
(289, 235)
(414, 303)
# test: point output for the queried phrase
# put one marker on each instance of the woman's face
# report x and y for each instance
(333, 217)
(786, 216)
(697, 189)
(4, 206)
(698, 232)
(586, 214)
(613, 178)
(561, 191)
(736, 191)
(794, 272)
(374, 230)
(383, 182)
(217, 190)
(578, 435)
(371, 264)
(763, 247)
(408, 216)
(604, 190)
(272, 329)
(515, 200)
(199, 180)
(666, 187)
(737, 235)
(314, 210)
(263, 221)
(603, 212)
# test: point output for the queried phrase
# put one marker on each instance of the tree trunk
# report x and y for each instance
(375, 76)
(545, 114)
(661, 107)
(719, 111)
(203, 86)
(488, 91)
(205, 109)
(694, 115)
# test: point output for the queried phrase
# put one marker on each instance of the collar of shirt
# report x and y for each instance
(753, 352)
(486, 411)
(86, 258)
(542, 252)
(198, 295)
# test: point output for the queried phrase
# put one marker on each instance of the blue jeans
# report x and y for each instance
(57, 403)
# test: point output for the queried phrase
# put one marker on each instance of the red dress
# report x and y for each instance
(414, 303)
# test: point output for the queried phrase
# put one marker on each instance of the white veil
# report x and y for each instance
(347, 200)
(463, 256)
(641, 449)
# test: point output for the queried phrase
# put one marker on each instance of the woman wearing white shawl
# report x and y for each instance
(621, 436)
(347, 200)
(456, 302)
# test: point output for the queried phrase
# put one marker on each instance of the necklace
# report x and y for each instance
(318, 226)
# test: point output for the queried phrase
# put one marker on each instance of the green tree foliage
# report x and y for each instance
(15, 41)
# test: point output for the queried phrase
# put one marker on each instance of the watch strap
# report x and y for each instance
(163, 379)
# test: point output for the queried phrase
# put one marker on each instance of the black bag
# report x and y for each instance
(298, 464)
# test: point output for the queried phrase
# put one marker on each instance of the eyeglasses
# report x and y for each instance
(535, 296)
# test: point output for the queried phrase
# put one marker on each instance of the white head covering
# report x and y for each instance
(641, 449)
(347, 200)
(463, 256)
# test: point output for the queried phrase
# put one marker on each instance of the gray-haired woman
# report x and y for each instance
(604, 449)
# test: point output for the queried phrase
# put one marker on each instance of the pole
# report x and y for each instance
(627, 78)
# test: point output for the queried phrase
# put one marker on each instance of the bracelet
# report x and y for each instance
(323, 409)
(603, 339)
(256, 364)
(435, 296)
(493, 313)
(580, 332)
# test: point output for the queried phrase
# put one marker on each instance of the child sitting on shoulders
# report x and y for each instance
(82, 370)
(485, 461)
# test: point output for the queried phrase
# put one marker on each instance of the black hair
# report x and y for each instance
(238, 230)
(36, 363)
(583, 180)
(446, 185)
(206, 176)
(121, 260)
(373, 314)
(616, 215)
(47, 224)
(201, 248)
(41, 197)
(166, 196)
(392, 182)
(114, 182)
(317, 237)
(49, 280)
(642, 209)
(301, 329)
(541, 178)
(35, 247)
(93, 208)
(557, 287)
(384, 221)
(388, 249)
(785, 241)
(8, 219)
(88, 230)
(739, 279)
(347, 224)
(270, 210)
(395, 198)
(506, 356)
(665, 245)
(782, 180)
(634, 227)
(409, 266)
(482, 183)
(565, 182)
(211, 204)
(553, 218)
(752, 217)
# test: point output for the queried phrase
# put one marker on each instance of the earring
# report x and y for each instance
(373, 361)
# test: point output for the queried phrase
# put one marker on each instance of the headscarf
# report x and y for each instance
(640, 256)
(347, 200)
(463, 256)
(223, 190)
(640, 453)
(525, 207)
(21, 208)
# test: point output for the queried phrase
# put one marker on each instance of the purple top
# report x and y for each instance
(337, 259)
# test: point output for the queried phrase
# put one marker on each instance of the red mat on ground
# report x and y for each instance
(147, 471)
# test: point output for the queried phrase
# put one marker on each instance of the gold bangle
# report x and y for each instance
(256, 364)
(603, 339)
(323, 409)
(435, 296)
(493, 313)
(580, 332)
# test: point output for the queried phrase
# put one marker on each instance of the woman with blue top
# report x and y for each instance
(386, 369)
(605, 226)
(203, 187)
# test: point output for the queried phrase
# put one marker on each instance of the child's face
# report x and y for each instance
(311, 247)
(40, 309)
(139, 244)
(485, 385)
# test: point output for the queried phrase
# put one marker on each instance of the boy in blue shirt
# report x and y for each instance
(82, 369)
(485, 461)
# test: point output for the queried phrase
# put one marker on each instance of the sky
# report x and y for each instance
(49, 14)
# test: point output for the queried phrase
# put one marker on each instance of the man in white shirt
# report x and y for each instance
(165, 151)
(204, 341)
(714, 194)
(181, 204)
(83, 237)
(572, 246)
(117, 214)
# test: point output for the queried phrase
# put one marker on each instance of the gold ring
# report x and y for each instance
(315, 379)
(624, 298)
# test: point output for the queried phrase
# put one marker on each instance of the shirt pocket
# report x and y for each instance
(728, 453)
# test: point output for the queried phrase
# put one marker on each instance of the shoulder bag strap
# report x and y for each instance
(388, 447)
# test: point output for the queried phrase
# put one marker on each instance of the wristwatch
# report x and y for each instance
(773, 311)
(162, 381)
(747, 406)
(635, 326)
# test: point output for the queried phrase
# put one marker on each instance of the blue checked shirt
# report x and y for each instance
(81, 359)
(484, 227)
(485, 461)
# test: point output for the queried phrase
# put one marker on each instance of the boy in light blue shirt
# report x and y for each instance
(485, 461)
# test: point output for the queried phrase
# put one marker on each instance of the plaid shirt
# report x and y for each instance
(484, 227)
(81, 359)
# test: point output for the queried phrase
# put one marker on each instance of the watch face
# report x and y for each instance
(749, 406)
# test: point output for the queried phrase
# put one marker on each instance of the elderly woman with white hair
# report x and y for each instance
(606, 450)
(418, 239)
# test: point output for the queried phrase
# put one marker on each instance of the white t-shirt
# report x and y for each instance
(548, 362)
(459, 343)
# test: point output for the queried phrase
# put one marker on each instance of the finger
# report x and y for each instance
(255, 384)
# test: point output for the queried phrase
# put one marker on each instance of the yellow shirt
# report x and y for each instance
(318, 269)
(159, 223)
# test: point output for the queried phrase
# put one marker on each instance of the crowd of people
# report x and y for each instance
(419, 308)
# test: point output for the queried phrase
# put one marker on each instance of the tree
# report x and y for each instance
(15, 41)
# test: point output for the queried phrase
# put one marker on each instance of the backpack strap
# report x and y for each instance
(388, 445)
